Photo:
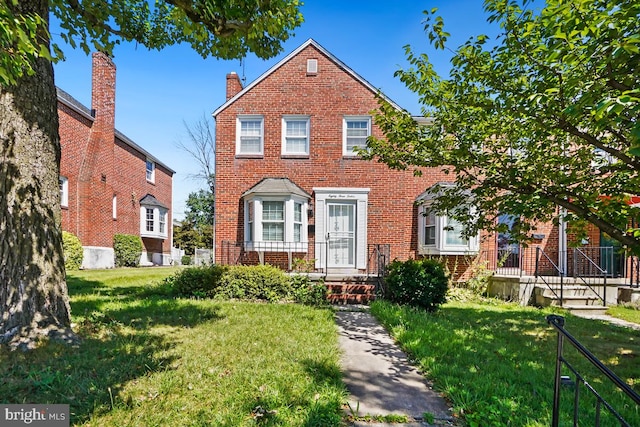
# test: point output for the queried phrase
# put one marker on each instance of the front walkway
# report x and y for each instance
(379, 376)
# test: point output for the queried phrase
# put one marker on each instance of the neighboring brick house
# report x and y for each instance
(289, 184)
(108, 184)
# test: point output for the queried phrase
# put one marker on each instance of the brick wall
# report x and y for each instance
(326, 96)
(99, 165)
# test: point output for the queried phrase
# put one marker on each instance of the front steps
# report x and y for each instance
(578, 299)
(343, 293)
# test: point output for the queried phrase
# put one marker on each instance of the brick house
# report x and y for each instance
(108, 184)
(290, 185)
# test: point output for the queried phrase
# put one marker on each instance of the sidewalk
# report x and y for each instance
(379, 377)
(610, 319)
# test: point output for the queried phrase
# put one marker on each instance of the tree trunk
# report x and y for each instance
(33, 293)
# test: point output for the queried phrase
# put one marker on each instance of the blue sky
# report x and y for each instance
(158, 91)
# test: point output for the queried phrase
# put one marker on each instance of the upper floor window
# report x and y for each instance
(249, 135)
(356, 130)
(151, 171)
(64, 191)
(295, 135)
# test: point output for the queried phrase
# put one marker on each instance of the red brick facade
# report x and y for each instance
(326, 96)
(104, 168)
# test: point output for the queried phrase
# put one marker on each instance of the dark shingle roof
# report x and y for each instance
(73, 103)
(149, 200)
(279, 186)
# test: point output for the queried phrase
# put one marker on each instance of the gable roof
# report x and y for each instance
(77, 106)
(284, 60)
(276, 186)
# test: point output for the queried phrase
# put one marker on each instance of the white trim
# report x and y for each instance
(346, 119)
(249, 117)
(440, 247)
(257, 243)
(296, 118)
(158, 214)
(286, 59)
(357, 196)
(63, 182)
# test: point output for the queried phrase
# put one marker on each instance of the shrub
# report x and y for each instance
(257, 282)
(199, 282)
(127, 249)
(186, 260)
(73, 252)
(419, 283)
(307, 292)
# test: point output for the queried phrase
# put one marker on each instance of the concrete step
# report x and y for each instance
(586, 310)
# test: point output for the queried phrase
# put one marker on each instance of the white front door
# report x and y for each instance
(341, 235)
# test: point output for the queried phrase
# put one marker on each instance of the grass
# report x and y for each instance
(147, 359)
(495, 361)
(630, 314)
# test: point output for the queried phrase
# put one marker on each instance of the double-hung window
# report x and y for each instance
(273, 221)
(356, 130)
(295, 135)
(250, 135)
(151, 171)
(297, 222)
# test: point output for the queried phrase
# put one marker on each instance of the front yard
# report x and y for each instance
(150, 359)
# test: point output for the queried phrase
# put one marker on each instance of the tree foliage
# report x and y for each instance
(545, 115)
(33, 293)
(196, 230)
(225, 30)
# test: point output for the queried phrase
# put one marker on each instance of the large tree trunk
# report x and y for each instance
(33, 293)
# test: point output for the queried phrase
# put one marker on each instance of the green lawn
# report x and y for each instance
(495, 361)
(150, 360)
(630, 314)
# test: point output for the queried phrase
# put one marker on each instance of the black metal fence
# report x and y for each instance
(310, 256)
(581, 382)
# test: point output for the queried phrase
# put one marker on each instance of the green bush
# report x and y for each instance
(186, 260)
(127, 249)
(73, 252)
(255, 282)
(307, 292)
(418, 283)
(198, 282)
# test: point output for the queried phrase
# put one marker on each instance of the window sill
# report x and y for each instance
(427, 250)
(295, 156)
(249, 156)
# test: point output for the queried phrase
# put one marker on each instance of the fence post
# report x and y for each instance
(537, 258)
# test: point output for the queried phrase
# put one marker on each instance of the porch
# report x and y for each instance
(584, 280)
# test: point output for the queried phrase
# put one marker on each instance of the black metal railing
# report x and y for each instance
(288, 255)
(379, 256)
(592, 270)
(543, 259)
(558, 322)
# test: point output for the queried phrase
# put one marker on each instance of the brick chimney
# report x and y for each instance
(233, 85)
(103, 93)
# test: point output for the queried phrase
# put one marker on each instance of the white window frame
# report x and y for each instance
(153, 222)
(285, 136)
(253, 220)
(348, 152)
(64, 191)
(114, 207)
(440, 246)
(249, 118)
(150, 167)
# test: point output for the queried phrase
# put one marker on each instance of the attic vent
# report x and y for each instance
(312, 66)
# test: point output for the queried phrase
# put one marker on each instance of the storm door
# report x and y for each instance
(341, 235)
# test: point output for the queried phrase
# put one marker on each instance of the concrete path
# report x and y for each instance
(610, 319)
(379, 376)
